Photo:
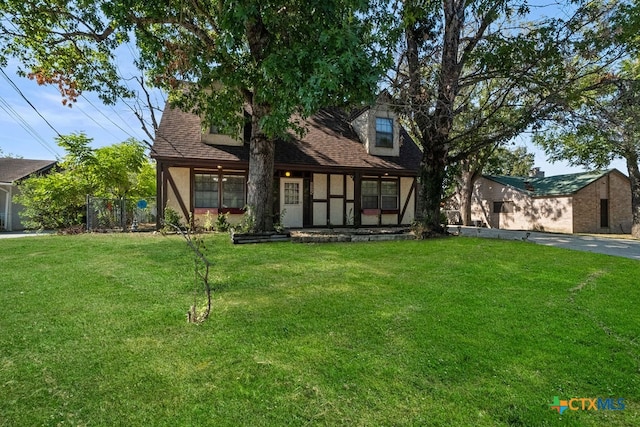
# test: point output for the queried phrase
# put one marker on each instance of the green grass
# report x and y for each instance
(454, 331)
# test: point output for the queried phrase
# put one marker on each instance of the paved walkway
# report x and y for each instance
(15, 234)
(627, 248)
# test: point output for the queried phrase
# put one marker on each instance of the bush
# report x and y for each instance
(172, 219)
(222, 222)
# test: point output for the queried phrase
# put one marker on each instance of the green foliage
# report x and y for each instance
(504, 161)
(602, 124)
(247, 223)
(287, 55)
(282, 59)
(172, 219)
(208, 224)
(13, 156)
(222, 223)
(57, 200)
(53, 201)
(278, 223)
(472, 78)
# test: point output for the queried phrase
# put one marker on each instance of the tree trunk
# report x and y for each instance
(432, 173)
(260, 180)
(634, 177)
(467, 180)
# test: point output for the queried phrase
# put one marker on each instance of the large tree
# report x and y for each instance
(278, 59)
(602, 125)
(471, 74)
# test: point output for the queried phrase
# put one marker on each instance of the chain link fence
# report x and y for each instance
(121, 214)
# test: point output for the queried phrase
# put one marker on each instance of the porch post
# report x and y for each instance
(357, 199)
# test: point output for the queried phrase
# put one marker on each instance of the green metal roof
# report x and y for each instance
(559, 185)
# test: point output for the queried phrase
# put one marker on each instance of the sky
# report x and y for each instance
(32, 116)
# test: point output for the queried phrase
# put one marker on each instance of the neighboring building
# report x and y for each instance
(12, 171)
(357, 170)
(590, 202)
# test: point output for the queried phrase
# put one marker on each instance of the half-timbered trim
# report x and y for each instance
(325, 169)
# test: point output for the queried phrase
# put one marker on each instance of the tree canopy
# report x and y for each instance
(473, 74)
(277, 58)
(602, 122)
(601, 126)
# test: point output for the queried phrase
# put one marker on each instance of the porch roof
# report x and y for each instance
(329, 142)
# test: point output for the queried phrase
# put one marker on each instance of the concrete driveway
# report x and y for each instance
(16, 234)
(627, 248)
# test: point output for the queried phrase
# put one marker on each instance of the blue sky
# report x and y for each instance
(29, 131)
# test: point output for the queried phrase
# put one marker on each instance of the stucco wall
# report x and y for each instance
(333, 193)
(405, 189)
(365, 127)
(320, 187)
(182, 178)
(552, 214)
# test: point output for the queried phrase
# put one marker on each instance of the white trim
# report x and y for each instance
(7, 207)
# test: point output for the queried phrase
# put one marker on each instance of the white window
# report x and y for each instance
(233, 191)
(380, 194)
(369, 194)
(206, 190)
(215, 191)
(291, 193)
(384, 132)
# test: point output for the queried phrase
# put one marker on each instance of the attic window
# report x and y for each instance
(384, 132)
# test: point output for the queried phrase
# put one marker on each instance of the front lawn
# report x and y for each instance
(455, 331)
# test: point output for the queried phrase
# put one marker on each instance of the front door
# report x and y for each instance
(291, 202)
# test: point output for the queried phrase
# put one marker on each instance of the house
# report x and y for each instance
(12, 171)
(589, 202)
(347, 170)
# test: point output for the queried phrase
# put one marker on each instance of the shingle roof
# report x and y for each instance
(330, 142)
(559, 185)
(12, 170)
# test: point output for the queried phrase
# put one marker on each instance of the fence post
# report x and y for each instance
(88, 201)
(123, 214)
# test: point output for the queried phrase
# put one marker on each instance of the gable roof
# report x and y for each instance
(559, 185)
(329, 143)
(12, 170)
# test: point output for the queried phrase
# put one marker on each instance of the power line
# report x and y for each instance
(109, 118)
(4, 105)
(17, 89)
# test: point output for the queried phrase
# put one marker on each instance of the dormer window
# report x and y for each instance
(384, 132)
(378, 130)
